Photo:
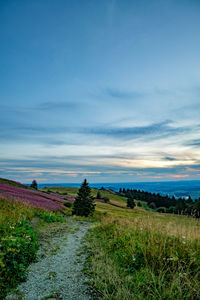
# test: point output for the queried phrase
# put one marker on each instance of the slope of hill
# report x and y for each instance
(20, 209)
(132, 253)
(13, 183)
(13, 191)
(140, 254)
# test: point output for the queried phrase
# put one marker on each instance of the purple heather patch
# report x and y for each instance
(33, 198)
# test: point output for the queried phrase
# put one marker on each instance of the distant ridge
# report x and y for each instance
(179, 188)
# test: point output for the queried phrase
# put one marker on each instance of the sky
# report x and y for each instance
(105, 90)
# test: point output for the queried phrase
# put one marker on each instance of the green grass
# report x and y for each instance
(19, 240)
(61, 190)
(18, 243)
(139, 254)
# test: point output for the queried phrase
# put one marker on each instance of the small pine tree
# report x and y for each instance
(130, 202)
(84, 203)
(34, 184)
(98, 195)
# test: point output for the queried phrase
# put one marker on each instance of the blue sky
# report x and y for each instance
(108, 90)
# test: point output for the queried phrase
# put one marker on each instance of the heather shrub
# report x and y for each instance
(30, 197)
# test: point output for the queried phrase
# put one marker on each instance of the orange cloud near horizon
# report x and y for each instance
(179, 176)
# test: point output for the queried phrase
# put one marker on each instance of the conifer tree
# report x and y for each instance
(98, 195)
(34, 184)
(130, 202)
(84, 203)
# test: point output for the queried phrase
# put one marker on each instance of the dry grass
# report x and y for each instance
(136, 254)
(139, 254)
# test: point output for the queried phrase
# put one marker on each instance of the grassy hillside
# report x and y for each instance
(132, 254)
(141, 254)
(137, 254)
(19, 233)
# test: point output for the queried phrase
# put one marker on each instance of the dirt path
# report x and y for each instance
(58, 273)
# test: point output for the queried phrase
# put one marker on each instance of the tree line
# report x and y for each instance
(164, 203)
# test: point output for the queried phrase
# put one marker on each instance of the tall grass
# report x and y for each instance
(140, 254)
(144, 255)
(18, 241)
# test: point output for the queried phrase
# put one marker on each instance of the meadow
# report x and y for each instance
(141, 254)
(132, 253)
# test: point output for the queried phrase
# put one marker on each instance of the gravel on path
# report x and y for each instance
(58, 273)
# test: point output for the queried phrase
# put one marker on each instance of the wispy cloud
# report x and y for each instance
(68, 106)
(155, 129)
(195, 143)
(122, 94)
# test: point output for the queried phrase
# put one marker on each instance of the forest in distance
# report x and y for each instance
(183, 188)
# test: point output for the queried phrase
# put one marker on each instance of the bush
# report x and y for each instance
(171, 210)
(68, 204)
(161, 209)
(106, 199)
(18, 249)
(139, 204)
(130, 203)
(152, 205)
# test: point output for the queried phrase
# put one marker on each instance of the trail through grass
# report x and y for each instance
(140, 254)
